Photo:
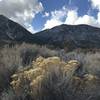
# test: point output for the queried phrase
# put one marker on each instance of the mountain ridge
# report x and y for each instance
(77, 35)
(63, 36)
(12, 31)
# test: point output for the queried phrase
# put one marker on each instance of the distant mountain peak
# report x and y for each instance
(63, 36)
(2, 18)
(12, 31)
(71, 36)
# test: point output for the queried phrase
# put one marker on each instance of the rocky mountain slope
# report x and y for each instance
(70, 36)
(12, 32)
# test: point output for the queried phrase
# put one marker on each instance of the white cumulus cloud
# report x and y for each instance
(46, 14)
(51, 23)
(98, 17)
(71, 18)
(86, 19)
(21, 11)
(95, 3)
(56, 18)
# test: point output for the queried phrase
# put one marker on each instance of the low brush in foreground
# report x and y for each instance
(54, 79)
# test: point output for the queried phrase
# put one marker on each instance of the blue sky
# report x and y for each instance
(82, 7)
(37, 15)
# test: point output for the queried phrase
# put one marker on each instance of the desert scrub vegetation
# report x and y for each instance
(45, 80)
(8, 95)
(16, 57)
(90, 61)
(54, 79)
(31, 52)
(38, 73)
(9, 62)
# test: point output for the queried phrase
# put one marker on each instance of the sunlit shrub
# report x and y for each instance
(18, 57)
(44, 74)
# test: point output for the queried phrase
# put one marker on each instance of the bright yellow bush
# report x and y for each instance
(39, 69)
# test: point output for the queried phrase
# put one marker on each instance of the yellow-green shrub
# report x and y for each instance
(39, 70)
(53, 79)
